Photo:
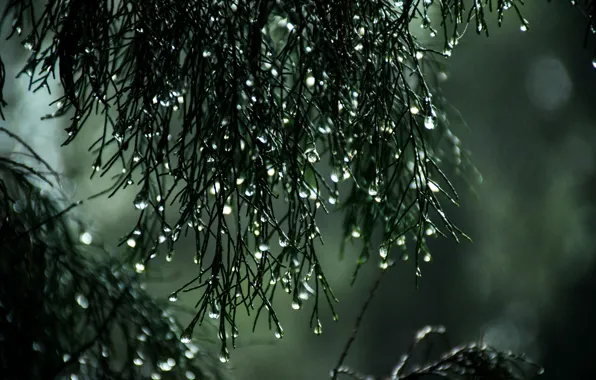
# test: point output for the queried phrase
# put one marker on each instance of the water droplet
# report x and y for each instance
(303, 192)
(86, 238)
(170, 256)
(82, 301)
(258, 255)
(227, 210)
(164, 366)
(141, 201)
(173, 297)
(433, 187)
(190, 375)
(414, 110)
(250, 191)
(283, 242)
(427, 257)
(138, 361)
(356, 233)
(384, 264)
(318, 328)
(140, 267)
(296, 304)
(594, 62)
(523, 27)
(310, 81)
(224, 355)
(186, 337)
(312, 155)
(373, 189)
(214, 313)
(429, 122)
(279, 332)
(383, 251)
(405, 256)
(131, 242)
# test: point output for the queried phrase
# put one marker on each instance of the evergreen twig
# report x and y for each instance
(64, 302)
(249, 118)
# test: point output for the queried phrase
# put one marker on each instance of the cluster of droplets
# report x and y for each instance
(384, 255)
(174, 98)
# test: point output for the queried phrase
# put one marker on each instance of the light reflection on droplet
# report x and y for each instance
(279, 332)
(86, 238)
(140, 267)
(224, 356)
(429, 123)
(82, 301)
(318, 328)
(186, 338)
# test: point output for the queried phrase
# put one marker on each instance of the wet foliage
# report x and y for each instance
(249, 119)
(472, 361)
(73, 310)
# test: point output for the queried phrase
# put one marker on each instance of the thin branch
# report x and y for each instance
(352, 337)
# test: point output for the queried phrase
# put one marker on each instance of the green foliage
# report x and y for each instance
(250, 119)
(72, 310)
(473, 361)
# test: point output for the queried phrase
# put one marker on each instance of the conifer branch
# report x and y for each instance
(250, 118)
(63, 301)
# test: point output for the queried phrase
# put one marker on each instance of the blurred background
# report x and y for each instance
(525, 284)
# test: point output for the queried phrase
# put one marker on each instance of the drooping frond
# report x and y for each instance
(72, 310)
(251, 118)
